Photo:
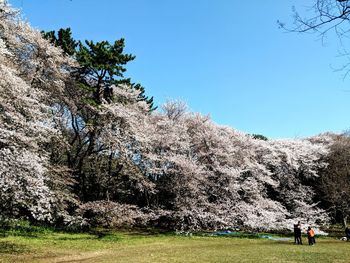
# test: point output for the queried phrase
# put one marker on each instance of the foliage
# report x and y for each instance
(72, 156)
(31, 81)
(100, 168)
(216, 177)
(110, 214)
(101, 66)
(334, 184)
(63, 40)
(260, 137)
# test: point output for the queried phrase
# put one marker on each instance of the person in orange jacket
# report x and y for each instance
(311, 236)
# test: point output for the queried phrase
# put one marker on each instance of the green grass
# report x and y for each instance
(35, 244)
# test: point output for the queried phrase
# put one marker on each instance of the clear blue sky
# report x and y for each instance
(225, 58)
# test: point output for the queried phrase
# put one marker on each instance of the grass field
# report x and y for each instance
(45, 245)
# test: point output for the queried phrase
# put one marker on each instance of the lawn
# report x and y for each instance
(51, 246)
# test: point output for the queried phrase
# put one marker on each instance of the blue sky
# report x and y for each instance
(225, 58)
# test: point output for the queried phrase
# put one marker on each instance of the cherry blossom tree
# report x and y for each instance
(32, 76)
(212, 176)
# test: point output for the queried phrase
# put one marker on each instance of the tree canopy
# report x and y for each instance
(73, 156)
(101, 65)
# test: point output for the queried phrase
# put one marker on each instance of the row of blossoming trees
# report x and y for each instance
(69, 156)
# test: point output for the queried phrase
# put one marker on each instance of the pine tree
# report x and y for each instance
(102, 66)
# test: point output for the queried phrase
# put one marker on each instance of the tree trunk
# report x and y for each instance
(345, 219)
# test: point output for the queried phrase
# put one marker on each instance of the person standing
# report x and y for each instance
(297, 233)
(347, 234)
(295, 228)
(311, 236)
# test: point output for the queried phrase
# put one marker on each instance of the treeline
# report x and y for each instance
(80, 145)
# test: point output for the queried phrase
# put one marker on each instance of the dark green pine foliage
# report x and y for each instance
(101, 65)
(63, 40)
(259, 137)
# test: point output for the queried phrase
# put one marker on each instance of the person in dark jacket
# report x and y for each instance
(297, 234)
(347, 234)
(295, 227)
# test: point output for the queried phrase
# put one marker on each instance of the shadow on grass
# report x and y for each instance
(23, 231)
(11, 248)
(75, 238)
(147, 232)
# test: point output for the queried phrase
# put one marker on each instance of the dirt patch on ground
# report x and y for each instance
(81, 257)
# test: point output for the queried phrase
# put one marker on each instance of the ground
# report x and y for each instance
(102, 246)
